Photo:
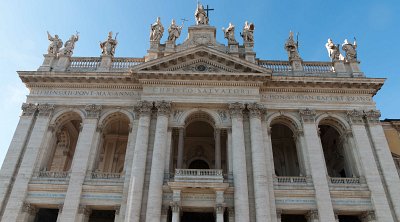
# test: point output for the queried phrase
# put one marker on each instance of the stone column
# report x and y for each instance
(219, 213)
(153, 213)
(229, 153)
(168, 152)
(318, 167)
(368, 216)
(33, 146)
(241, 198)
(83, 214)
(217, 136)
(28, 213)
(15, 151)
(258, 160)
(135, 193)
(231, 214)
(180, 148)
(79, 164)
(384, 157)
(369, 164)
(278, 215)
(312, 216)
(176, 205)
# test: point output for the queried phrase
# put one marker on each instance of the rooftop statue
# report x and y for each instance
(350, 50)
(333, 51)
(292, 47)
(174, 31)
(157, 30)
(55, 44)
(108, 46)
(69, 45)
(229, 33)
(248, 32)
(201, 15)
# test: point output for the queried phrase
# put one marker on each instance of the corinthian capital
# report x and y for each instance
(163, 107)
(255, 109)
(307, 115)
(93, 110)
(236, 110)
(45, 109)
(28, 109)
(355, 116)
(143, 107)
(372, 116)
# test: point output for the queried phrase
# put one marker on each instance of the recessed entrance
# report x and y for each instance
(293, 218)
(197, 217)
(46, 215)
(199, 164)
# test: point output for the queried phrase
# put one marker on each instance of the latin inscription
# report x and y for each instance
(201, 91)
(95, 93)
(316, 98)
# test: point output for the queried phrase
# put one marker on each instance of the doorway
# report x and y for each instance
(197, 217)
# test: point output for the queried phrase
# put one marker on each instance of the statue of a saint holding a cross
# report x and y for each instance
(201, 15)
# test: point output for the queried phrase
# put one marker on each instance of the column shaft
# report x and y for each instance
(261, 195)
(20, 188)
(217, 149)
(135, 193)
(180, 148)
(153, 213)
(318, 167)
(241, 197)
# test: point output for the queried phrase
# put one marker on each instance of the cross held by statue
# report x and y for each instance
(208, 9)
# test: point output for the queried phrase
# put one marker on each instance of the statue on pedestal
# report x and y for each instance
(292, 47)
(69, 45)
(174, 31)
(350, 50)
(333, 51)
(55, 44)
(108, 46)
(157, 30)
(248, 32)
(201, 15)
(229, 33)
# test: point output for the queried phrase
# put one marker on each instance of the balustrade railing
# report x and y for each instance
(125, 63)
(85, 63)
(198, 175)
(52, 174)
(277, 66)
(344, 180)
(290, 180)
(318, 67)
(105, 175)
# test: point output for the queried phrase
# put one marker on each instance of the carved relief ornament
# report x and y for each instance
(236, 110)
(28, 109)
(256, 110)
(372, 116)
(143, 107)
(45, 109)
(355, 116)
(307, 115)
(312, 214)
(163, 107)
(93, 110)
(29, 208)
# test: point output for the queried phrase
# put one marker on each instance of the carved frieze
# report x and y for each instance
(307, 115)
(236, 110)
(45, 109)
(93, 110)
(143, 107)
(355, 116)
(28, 109)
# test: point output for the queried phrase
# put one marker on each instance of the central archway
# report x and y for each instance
(198, 164)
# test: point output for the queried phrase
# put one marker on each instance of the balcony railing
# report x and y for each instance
(290, 180)
(318, 67)
(105, 175)
(52, 174)
(277, 66)
(345, 181)
(84, 63)
(199, 175)
(125, 63)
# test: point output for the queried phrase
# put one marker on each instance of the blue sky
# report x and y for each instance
(23, 26)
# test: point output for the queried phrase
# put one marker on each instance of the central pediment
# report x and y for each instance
(200, 59)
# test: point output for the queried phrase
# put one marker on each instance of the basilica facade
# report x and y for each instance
(199, 131)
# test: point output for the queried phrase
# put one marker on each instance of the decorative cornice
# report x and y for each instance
(236, 109)
(46, 109)
(307, 115)
(255, 110)
(93, 110)
(28, 109)
(355, 116)
(143, 107)
(372, 116)
(163, 107)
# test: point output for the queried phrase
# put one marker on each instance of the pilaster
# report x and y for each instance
(318, 166)
(33, 147)
(85, 144)
(134, 203)
(153, 213)
(180, 148)
(217, 136)
(241, 196)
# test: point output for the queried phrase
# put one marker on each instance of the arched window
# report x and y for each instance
(111, 156)
(63, 143)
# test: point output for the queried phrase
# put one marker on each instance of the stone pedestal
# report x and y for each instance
(153, 52)
(234, 49)
(355, 69)
(48, 63)
(169, 48)
(63, 63)
(105, 64)
(250, 55)
(297, 65)
(340, 68)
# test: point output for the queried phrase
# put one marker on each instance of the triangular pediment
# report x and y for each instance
(200, 59)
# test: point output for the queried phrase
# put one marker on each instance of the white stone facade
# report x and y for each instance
(135, 136)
